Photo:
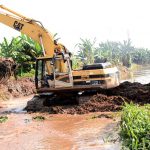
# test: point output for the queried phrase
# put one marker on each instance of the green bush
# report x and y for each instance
(135, 127)
(31, 73)
(23, 50)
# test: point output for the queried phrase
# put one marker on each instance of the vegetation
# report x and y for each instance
(86, 51)
(116, 52)
(135, 127)
(3, 119)
(24, 51)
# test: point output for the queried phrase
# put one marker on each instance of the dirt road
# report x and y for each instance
(57, 132)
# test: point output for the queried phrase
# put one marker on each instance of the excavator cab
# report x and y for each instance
(57, 77)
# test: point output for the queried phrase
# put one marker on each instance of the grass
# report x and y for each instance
(3, 119)
(135, 127)
(28, 74)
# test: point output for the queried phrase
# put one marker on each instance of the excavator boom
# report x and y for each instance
(30, 27)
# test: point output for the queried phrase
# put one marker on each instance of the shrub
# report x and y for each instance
(135, 127)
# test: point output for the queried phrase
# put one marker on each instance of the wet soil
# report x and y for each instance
(135, 92)
(104, 100)
(7, 68)
(17, 88)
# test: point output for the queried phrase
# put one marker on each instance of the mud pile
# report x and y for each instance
(96, 103)
(17, 88)
(136, 92)
(7, 68)
(86, 104)
(105, 100)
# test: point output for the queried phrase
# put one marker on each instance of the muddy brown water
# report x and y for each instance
(56, 132)
(141, 74)
(60, 131)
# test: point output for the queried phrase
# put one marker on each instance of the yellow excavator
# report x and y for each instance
(53, 72)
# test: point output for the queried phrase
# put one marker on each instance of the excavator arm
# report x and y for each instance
(30, 27)
(37, 32)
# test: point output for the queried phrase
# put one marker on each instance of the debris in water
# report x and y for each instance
(38, 118)
(3, 119)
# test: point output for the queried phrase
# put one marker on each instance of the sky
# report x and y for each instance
(114, 20)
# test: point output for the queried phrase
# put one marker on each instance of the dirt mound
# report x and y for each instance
(86, 104)
(106, 100)
(17, 88)
(96, 103)
(136, 92)
(7, 68)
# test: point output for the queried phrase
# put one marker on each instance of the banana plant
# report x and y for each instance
(86, 50)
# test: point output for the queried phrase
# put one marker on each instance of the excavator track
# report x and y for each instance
(102, 101)
(45, 103)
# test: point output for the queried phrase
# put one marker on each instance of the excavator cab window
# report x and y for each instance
(60, 74)
(41, 73)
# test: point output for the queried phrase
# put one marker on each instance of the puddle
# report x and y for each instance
(16, 105)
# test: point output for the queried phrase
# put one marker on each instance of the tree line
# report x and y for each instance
(123, 53)
(24, 51)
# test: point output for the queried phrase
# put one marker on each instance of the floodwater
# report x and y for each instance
(57, 131)
(60, 131)
(140, 74)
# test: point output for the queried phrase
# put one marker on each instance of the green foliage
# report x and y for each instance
(141, 56)
(23, 50)
(109, 50)
(86, 51)
(76, 63)
(31, 73)
(116, 52)
(3, 119)
(135, 127)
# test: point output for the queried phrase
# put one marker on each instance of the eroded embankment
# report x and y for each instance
(17, 88)
(7, 68)
(105, 100)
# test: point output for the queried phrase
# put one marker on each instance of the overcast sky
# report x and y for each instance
(74, 19)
